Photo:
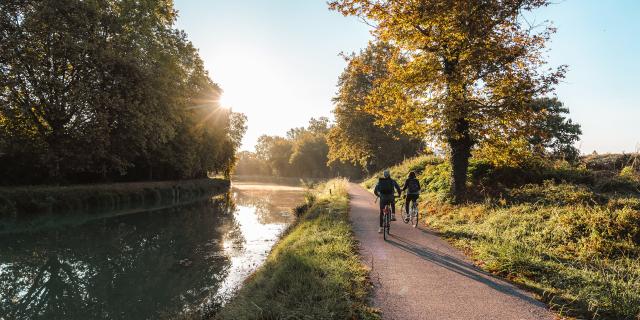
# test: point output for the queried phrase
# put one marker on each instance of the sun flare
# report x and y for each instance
(223, 102)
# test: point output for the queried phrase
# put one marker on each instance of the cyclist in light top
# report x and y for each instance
(412, 187)
(384, 190)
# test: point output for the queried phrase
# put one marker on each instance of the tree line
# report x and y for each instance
(106, 90)
(312, 152)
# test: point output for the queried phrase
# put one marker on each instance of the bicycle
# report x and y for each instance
(386, 220)
(412, 215)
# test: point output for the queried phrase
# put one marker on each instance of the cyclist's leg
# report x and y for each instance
(382, 204)
(407, 201)
(392, 202)
(415, 200)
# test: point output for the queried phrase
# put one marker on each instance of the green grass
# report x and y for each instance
(569, 234)
(314, 271)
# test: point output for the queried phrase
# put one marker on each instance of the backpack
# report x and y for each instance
(413, 186)
(385, 186)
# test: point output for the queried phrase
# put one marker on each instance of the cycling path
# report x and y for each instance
(417, 275)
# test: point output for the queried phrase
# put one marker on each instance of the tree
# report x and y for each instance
(105, 90)
(472, 68)
(250, 164)
(554, 134)
(276, 152)
(303, 153)
(356, 137)
(549, 135)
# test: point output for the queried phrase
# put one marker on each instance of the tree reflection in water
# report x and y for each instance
(273, 203)
(168, 263)
(124, 267)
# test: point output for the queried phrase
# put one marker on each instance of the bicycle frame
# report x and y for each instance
(412, 215)
(386, 219)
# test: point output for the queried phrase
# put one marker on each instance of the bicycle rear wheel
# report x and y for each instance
(385, 225)
(414, 215)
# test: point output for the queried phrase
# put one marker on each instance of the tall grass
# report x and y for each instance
(314, 272)
(570, 234)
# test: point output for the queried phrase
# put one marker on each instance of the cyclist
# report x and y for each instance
(412, 187)
(385, 190)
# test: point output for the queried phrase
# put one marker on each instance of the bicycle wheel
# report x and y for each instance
(414, 215)
(385, 225)
(387, 221)
(406, 216)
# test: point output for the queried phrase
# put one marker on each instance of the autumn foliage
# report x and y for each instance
(463, 71)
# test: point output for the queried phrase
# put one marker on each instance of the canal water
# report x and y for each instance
(178, 262)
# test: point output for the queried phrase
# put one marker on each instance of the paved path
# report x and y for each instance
(417, 275)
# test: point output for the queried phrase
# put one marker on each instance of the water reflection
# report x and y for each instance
(157, 264)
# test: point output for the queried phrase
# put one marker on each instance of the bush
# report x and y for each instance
(549, 193)
(609, 162)
(630, 173)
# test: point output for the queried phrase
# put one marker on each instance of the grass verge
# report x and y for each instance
(314, 271)
(568, 233)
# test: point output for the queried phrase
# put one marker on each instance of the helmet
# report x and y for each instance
(386, 174)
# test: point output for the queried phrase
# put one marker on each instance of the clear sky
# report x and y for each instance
(277, 61)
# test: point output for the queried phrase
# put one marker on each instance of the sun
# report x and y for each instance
(223, 102)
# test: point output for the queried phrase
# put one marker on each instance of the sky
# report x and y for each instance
(278, 62)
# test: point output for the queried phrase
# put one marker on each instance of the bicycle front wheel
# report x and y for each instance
(387, 225)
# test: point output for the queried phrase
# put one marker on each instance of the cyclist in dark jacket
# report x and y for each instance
(412, 186)
(385, 190)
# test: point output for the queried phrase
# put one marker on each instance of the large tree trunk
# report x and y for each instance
(460, 145)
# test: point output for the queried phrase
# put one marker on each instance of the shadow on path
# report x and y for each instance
(456, 265)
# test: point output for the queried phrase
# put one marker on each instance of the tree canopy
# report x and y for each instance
(105, 90)
(469, 70)
(357, 136)
(303, 152)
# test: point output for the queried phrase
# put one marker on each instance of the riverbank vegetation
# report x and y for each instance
(314, 271)
(105, 91)
(569, 232)
(19, 202)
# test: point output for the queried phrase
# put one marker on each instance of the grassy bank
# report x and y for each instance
(570, 233)
(313, 272)
(18, 202)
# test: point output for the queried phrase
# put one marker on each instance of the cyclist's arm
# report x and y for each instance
(395, 184)
(375, 190)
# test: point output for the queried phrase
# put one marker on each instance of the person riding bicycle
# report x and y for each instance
(385, 190)
(412, 187)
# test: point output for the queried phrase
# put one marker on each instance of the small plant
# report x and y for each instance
(629, 172)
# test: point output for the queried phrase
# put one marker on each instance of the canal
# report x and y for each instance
(178, 262)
